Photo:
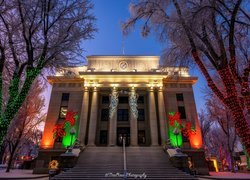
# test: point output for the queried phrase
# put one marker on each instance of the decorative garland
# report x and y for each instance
(59, 129)
(188, 130)
(174, 117)
(71, 118)
(185, 127)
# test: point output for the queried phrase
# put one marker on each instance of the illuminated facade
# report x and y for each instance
(121, 96)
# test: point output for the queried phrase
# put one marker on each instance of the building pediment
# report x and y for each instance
(123, 63)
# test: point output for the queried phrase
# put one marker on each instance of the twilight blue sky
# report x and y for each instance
(109, 41)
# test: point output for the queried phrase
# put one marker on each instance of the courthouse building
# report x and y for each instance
(121, 96)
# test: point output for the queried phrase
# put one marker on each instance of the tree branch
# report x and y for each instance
(232, 63)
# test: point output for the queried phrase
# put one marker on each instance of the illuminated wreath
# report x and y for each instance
(53, 164)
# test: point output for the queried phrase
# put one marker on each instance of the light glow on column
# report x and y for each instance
(196, 139)
(47, 140)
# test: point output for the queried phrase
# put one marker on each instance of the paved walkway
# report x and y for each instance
(227, 175)
(21, 174)
(27, 174)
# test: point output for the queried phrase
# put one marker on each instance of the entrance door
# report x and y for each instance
(141, 137)
(103, 137)
(123, 133)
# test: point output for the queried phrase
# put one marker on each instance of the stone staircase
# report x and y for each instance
(107, 163)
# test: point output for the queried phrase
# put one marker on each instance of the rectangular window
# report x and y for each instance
(105, 99)
(123, 100)
(140, 100)
(105, 115)
(182, 111)
(141, 115)
(63, 112)
(179, 97)
(122, 114)
(65, 96)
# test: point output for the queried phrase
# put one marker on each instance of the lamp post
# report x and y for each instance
(176, 133)
(72, 133)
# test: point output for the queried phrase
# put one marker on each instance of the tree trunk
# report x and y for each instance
(231, 101)
(2, 149)
(12, 152)
(232, 162)
(10, 161)
(240, 122)
(17, 102)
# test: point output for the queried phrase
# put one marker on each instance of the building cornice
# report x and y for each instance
(64, 79)
(121, 57)
(188, 80)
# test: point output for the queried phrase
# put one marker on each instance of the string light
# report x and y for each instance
(231, 100)
(16, 99)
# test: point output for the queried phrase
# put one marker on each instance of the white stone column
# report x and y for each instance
(133, 116)
(113, 117)
(152, 118)
(93, 118)
(84, 116)
(162, 116)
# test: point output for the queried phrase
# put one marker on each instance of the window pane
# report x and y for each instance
(65, 96)
(179, 97)
(122, 115)
(140, 100)
(105, 115)
(182, 111)
(63, 112)
(141, 115)
(103, 137)
(105, 99)
(123, 100)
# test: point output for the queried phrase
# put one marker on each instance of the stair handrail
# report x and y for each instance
(124, 159)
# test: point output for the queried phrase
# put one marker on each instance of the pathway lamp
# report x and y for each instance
(176, 132)
(72, 133)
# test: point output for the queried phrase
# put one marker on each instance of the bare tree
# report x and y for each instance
(217, 146)
(34, 35)
(214, 35)
(25, 125)
(206, 126)
(219, 113)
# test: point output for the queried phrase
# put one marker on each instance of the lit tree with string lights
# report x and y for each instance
(218, 114)
(36, 35)
(25, 127)
(214, 35)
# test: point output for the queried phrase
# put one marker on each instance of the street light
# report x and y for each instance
(72, 133)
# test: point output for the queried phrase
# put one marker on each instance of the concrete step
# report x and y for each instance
(96, 162)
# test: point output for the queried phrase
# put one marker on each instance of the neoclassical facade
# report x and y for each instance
(120, 96)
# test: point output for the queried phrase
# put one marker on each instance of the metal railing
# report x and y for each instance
(124, 158)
